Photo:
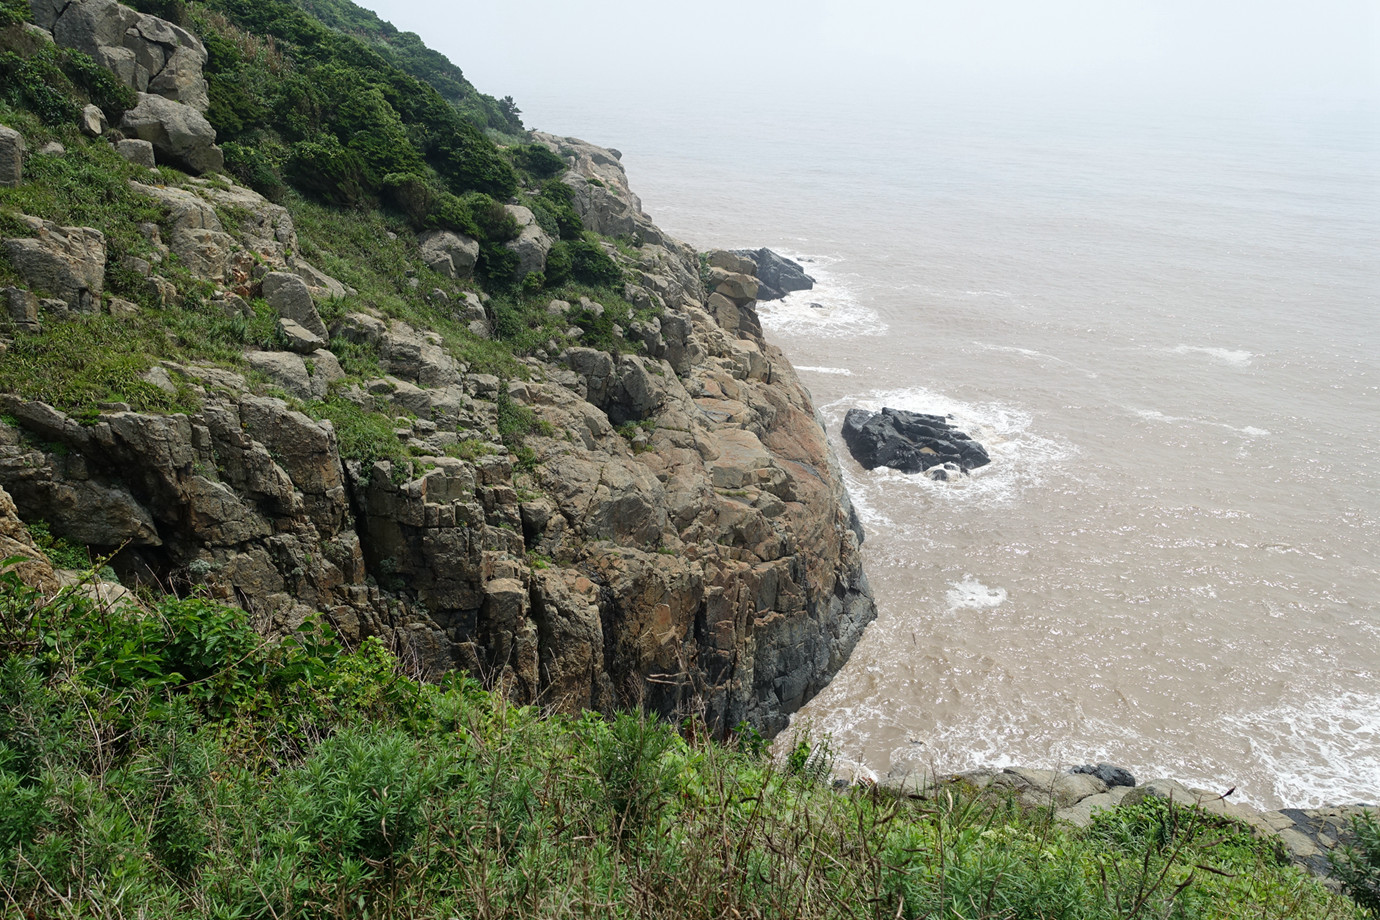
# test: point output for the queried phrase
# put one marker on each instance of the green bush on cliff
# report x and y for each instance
(1357, 864)
(172, 763)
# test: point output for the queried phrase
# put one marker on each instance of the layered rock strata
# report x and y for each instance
(678, 539)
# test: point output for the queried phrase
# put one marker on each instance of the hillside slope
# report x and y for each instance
(466, 398)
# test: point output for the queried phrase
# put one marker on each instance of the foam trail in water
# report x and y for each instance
(1034, 355)
(1154, 415)
(836, 371)
(1230, 356)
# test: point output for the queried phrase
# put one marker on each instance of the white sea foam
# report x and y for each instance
(971, 593)
(1319, 750)
(1020, 456)
(829, 309)
(1154, 415)
(837, 371)
(1034, 355)
(1230, 356)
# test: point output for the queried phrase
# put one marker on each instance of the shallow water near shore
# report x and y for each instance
(1165, 327)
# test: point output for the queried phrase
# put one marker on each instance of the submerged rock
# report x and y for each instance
(909, 441)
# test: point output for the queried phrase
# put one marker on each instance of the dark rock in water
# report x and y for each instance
(909, 441)
(1112, 776)
(777, 275)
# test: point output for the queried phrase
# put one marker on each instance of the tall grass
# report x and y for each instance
(172, 763)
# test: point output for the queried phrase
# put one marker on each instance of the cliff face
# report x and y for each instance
(702, 557)
(678, 538)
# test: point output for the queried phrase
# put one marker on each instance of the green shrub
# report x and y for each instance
(1357, 865)
(362, 435)
(538, 161)
(592, 265)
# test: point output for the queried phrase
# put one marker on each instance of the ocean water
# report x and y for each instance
(1164, 324)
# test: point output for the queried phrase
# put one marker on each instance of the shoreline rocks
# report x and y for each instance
(911, 442)
(1076, 795)
(777, 275)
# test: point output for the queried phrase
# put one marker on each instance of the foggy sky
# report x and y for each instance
(1229, 49)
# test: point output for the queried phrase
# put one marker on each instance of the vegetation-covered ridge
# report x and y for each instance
(169, 761)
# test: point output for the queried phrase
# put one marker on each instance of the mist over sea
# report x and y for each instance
(1164, 323)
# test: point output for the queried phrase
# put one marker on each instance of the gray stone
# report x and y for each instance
(177, 131)
(532, 243)
(1108, 773)
(451, 254)
(52, 149)
(138, 152)
(323, 283)
(121, 308)
(1169, 789)
(11, 156)
(732, 262)
(92, 121)
(20, 308)
(67, 262)
(299, 338)
(289, 296)
(285, 369)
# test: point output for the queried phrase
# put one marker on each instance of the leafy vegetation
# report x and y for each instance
(170, 762)
(1357, 865)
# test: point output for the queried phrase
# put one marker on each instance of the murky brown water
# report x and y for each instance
(1166, 334)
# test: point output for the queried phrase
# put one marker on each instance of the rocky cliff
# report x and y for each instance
(674, 535)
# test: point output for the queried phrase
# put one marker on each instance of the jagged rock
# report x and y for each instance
(148, 54)
(303, 377)
(35, 571)
(20, 308)
(177, 131)
(11, 156)
(451, 254)
(266, 229)
(299, 338)
(92, 121)
(288, 295)
(733, 262)
(532, 243)
(323, 285)
(67, 262)
(908, 441)
(776, 274)
(741, 289)
(138, 152)
(1109, 774)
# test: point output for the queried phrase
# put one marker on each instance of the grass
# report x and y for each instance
(175, 764)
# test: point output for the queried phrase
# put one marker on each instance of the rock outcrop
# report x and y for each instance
(12, 149)
(148, 54)
(776, 274)
(159, 60)
(910, 442)
(674, 533)
(67, 263)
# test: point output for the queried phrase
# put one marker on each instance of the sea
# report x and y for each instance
(1163, 321)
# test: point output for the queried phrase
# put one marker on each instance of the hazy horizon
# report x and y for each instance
(1282, 53)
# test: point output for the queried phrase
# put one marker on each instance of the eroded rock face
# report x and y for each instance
(148, 54)
(65, 262)
(11, 156)
(777, 274)
(177, 131)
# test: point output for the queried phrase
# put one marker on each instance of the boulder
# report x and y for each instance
(11, 156)
(148, 54)
(451, 254)
(138, 152)
(909, 441)
(67, 262)
(532, 243)
(19, 307)
(92, 121)
(288, 295)
(777, 275)
(177, 131)
(732, 262)
(34, 570)
(1111, 775)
